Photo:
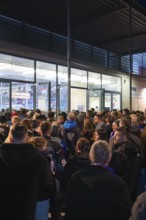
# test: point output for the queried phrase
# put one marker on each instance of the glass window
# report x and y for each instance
(62, 81)
(94, 80)
(4, 95)
(62, 75)
(96, 99)
(16, 68)
(78, 78)
(42, 94)
(107, 103)
(78, 99)
(22, 95)
(116, 101)
(45, 73)
(111, 83)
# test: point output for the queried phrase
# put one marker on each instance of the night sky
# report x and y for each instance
(142, 3)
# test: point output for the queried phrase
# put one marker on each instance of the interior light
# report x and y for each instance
(144, 93)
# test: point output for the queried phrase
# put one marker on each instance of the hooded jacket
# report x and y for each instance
(22, 171)
(125, 162)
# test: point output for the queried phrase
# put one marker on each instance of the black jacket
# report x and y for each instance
(22, 171)
(97, 194)
(77, 162)
(125, 162)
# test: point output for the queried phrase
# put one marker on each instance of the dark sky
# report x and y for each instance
(142, 3)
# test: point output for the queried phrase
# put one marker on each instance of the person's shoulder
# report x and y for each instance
(139, 207)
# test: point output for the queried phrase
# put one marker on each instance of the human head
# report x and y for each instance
(19, 134)
(45, 128)
(126, 112)
(121, 135)
(15, 120)
(100, 152)
(89, 113)
(97, 119)
(82, 145)
(71, 116)
(3, 119)
(115, 125)
(101, 134)
(125, 122)
(56, 129)
(23, 111)
(27, 122)
(134, 118)
(51, 116)
(61, 118)
(39, 142)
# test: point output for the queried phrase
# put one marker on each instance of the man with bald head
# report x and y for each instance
(95, 192)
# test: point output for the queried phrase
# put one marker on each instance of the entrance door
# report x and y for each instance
(4, 96)
(43, 97)
(112, 100)
(96, 99)
(79, 99)
(62, 98)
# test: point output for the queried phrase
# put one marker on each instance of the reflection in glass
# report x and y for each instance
(94, 80)
(45, 73)
(107, 102)
(78, 78)
(4, 95)
(22, 96)
(116, 101)
(62, 88)
(16, 68)
(111, 83)
(96, 99)
(42, 93)
(78, 99)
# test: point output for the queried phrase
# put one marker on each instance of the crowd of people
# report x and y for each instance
(88, 165)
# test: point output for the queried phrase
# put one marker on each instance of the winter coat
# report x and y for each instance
(96, 193)
(22, 172)
(77, 162)
(125, 162)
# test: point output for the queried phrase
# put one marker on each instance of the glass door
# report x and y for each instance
(62, 98)
(108, 101)
(116, 101)
(4, 96)
(96, 99)
(78, 99)
(43, 97)
(112, 101)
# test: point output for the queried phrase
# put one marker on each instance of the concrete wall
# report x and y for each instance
(125, 92)
(139, 94)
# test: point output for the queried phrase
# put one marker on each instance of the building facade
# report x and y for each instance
(34, 73)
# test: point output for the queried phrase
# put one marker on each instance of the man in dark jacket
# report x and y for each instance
(22, 170)
(96, 192)
(126, 160)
